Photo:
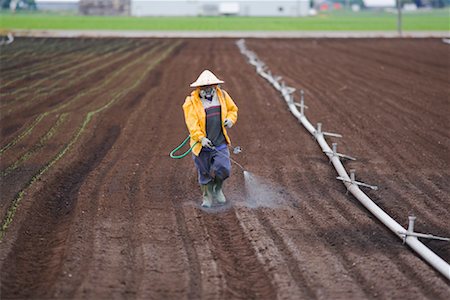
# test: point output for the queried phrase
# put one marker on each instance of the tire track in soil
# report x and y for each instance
(178, 232)
(245, 277)
(206, 275)
(271, 257)
(196, 283)
(194, 290)
(307, 288)
(226, 65)
(283, 254)
(292, 263)
(226, 259)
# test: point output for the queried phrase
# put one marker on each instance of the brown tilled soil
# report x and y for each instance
(97, 209)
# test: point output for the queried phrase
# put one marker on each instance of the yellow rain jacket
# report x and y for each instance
(195, 116)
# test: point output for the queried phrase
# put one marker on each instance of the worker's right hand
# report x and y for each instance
(207, 143)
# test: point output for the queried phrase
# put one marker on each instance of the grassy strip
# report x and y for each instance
(339, 20)
(15, 203)
(43, 115)
(41, 143)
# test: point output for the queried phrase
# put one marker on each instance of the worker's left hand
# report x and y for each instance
(228, 123)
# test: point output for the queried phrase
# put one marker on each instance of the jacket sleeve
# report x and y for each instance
(192, 121)
(232, 109)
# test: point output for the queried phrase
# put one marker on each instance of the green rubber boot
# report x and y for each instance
(218, 193)
(207, 192)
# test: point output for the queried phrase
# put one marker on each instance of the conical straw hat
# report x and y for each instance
(206, 78)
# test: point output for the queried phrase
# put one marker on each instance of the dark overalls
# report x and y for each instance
(212, 163)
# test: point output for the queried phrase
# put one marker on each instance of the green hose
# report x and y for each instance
(172, 154)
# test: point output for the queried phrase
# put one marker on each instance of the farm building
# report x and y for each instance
(105, 7)
(287, 8)
(57, 5)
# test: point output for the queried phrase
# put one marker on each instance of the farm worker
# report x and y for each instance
(208, 112)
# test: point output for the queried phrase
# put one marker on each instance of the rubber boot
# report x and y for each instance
(218, 193)
(207, 192)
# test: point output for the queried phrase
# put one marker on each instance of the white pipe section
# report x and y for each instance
(434, 260)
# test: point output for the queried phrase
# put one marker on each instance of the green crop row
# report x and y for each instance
(60, 84)
(64, 104)
(15, 203)
(57, 75)
(64, 53)
(40, 144)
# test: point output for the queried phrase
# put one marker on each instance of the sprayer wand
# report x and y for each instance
(238, 164)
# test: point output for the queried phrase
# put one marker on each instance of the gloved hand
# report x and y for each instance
(228, 123)
(207, 143)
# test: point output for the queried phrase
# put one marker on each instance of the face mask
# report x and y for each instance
(207, 93)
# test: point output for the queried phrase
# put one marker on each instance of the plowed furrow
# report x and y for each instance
(58, 44)
(17, 269)
(93, 91)
(294, 266)
(346, 242)
(244, 275)
(17, 89)
(388, 242)
(60, 88)
(58, 59)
